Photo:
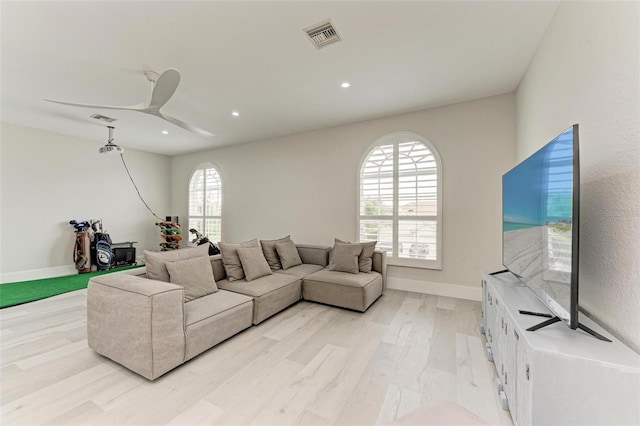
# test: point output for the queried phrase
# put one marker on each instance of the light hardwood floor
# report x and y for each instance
(311, 364)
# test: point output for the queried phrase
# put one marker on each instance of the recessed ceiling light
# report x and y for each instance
(235, 113)
(345, 85)
(164, 132)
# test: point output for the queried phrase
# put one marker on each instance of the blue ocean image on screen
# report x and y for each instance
(539, 191)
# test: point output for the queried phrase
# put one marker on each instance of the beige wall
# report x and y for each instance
(586, 71)
(305, 184)
(48, 179)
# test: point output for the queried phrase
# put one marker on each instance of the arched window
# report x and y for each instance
(400, 200)
(205, 202)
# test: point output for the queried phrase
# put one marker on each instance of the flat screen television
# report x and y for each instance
(541, 212)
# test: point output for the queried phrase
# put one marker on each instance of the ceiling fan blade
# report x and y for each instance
(164, 88)
(138, 107)
(186, 126)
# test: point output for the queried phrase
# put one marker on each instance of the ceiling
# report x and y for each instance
(254, 58)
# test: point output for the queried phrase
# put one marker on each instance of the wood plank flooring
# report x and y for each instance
(309, 365)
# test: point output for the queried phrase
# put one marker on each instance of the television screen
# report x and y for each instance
(540, 201)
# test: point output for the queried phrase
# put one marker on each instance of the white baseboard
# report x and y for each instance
(438, 289)
(36, 274)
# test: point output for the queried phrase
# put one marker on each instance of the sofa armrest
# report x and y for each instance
(317, 255)
(380, 265)
(136, 322)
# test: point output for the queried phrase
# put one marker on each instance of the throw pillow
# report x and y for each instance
(195, 275)
(365, 260)
(230, 259)
(155, 260)
(288, 253)
(345, 258)
(253, 263)
(269, 250)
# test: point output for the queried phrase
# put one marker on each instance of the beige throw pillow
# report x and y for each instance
(230, 259)
(288, 253)
(345, 258)
(195, 275)
(365, 260)
(253, 263)
(269, 250)
(155, 260)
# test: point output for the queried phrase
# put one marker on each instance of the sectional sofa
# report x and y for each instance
(149, 324)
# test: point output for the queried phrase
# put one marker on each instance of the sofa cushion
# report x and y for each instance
(301, 271)
(318, 255)
(230, 259)
(213, 304)
(288, 254)
(194, 275)
(351, 291)
(253, 263)
(365, 260)
(218, 267)
(270, 253)
(271, 293)
(259, 287)
(349, 280)
(155, 260)
(211, 319)
(345, 258)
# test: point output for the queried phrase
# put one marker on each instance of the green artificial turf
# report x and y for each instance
(27, 291)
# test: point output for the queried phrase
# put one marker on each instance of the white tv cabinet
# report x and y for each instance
(555, 375)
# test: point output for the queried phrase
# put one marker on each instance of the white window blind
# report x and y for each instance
(205, 202)
(400, 188)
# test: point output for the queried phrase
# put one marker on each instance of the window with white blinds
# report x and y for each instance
(399, 202)
(205, 202)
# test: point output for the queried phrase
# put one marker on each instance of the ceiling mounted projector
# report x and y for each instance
(110, 147)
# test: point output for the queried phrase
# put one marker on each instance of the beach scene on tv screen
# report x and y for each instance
(537, 222)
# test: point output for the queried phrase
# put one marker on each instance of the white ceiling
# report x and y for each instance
(253, 57)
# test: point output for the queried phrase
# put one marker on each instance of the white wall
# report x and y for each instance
(586, 71)
(47, 179)
(305, 184)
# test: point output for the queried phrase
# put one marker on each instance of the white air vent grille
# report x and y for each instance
(322, 34)
(103, 118)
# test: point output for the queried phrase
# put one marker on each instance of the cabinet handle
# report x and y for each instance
(515, 334)
(506, 326)
(527, 371)
(505, 378)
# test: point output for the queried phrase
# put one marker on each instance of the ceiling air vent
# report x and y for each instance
(322, 34)
(103, 118)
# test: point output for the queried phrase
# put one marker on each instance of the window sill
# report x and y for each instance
(415, 263)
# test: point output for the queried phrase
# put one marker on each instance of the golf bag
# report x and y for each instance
(82, 246)
(104, 257)
(81, 255)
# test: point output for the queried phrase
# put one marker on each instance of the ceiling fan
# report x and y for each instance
(164, 85)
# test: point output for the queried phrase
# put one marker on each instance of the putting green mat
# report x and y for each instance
(27, 291)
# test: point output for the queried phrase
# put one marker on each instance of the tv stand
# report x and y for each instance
(554, 320)
(544, 378)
